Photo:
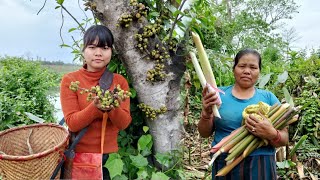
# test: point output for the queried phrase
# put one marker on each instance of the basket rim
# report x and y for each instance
(38, 155)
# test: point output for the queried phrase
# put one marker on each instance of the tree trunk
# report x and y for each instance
(167, 128)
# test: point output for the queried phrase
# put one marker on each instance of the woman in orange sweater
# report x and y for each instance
(80, 113)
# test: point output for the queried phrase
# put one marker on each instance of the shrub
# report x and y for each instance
(24, 87)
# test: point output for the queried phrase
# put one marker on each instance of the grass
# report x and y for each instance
(62, 69)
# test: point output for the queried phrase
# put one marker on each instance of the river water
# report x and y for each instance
(57, 107)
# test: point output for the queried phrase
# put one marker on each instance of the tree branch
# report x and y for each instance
(44, 4)
(60, 30)
(73, 18)
(83, 12)
(74, 41)
(176, 20)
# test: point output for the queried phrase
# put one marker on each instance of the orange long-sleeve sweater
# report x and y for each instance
(79, 113)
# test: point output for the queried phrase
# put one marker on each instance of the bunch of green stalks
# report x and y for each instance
(240, 143)
(204, 72)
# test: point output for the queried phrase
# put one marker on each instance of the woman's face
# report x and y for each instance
(95, 57)
(247, 71)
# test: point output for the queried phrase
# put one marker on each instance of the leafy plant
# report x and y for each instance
(283, 169)
(310, 116)
(24, 87)
(136, 162)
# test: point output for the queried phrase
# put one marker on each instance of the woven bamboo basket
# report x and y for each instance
(32, 151)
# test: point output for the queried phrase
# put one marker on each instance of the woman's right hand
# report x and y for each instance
(97, 103)
(209, 98)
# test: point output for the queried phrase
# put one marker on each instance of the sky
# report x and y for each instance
(24, 33)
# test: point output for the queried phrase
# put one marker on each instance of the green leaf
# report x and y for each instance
(287, 96)
(197, 84)
(142, 174)
(180, 24)
(122, 133)
(181, 174)
(133, 93)
(122, 177)
(145, 129)
(76, 51)
(264, 80)
(145, 141)
(145, 152)
(112, 66)
(291, 163)
(285, 164)
(163, 159)
(64, 45)
(115, 165)
(57, 7)
(138, 161)
(113, 156)
(283, 77)
(172, 8)
(177, 12)
(34, 118)
(60, 2)
(299, 143)
(72, 29)
(154, 14)
(159, 176)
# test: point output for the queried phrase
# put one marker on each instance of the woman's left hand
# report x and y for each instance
(261, 128)
(97, 103)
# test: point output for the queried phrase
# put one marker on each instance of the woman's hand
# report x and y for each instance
(261, 128)
(206, 123)
(97, 103)
(209, 98)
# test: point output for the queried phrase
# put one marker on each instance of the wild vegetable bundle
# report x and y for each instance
(240, 143)
(108, 99)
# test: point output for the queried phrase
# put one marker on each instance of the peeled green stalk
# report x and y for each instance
(219, 148)
(206, 67)
(227, 146)
(227, 139)
(243, 144)
(279, 112)
(235, 140)
(225, 170)
(288, 119)
(236, 146)
(284, 116)
(292, 120)
(274, 109)
(197, 67)
(252, 144)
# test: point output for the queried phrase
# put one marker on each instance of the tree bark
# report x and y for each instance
(167, 128)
